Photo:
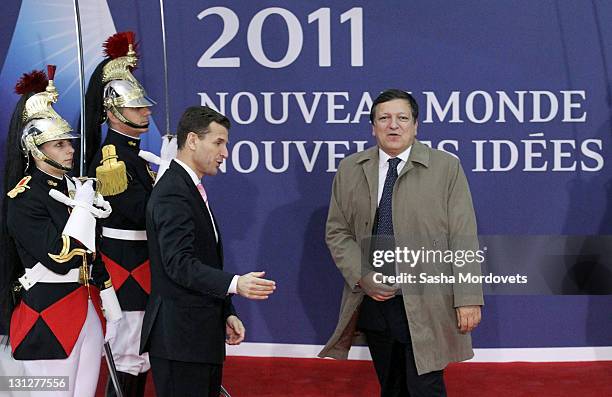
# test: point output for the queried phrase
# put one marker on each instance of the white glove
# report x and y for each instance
(111, 330)
(110, 305)
(99, 201)
(112, 312)
(84, 191)
(169, 147)
(84, 197)
(81, 224)
(168, 152)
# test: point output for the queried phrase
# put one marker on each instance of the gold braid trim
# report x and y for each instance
(66, 255)
(108, 284)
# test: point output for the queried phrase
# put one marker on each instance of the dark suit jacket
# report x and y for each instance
(186, 313)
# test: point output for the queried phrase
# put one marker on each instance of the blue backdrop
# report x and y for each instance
(520, 91)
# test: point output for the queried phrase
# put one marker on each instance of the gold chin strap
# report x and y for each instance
(124, 119)
(39, 154)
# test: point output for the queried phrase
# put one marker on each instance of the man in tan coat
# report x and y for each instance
(418, 198)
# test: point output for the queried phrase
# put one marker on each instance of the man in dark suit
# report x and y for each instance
(189, 314)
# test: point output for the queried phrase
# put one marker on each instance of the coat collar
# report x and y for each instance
(176, 167)
(189, 171)
(419, 154)
(48, 181)
(117, 138)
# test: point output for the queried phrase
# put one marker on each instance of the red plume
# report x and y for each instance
(35, 81)
(51, 71)
(130, 37)
(117, 45)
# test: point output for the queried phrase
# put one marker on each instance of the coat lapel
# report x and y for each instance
(369, 162)
(418, 154)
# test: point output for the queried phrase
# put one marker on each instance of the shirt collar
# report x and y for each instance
(383, 158)
(192, 174)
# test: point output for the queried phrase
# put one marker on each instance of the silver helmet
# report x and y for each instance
(121, 88)
(43, 124)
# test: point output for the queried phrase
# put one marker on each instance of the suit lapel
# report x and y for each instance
(196, 197)
(219, 244)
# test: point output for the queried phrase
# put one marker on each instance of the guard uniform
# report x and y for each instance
(124, 246)
(47, 322)
(61, 291)
(126, 181)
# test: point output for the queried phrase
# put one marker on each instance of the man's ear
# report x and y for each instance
(111, 117)
(191, 140)
(416, 128)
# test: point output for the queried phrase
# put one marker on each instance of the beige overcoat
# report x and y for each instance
(432, 209)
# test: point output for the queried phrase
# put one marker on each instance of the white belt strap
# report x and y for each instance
(40, 274)
(121, 234)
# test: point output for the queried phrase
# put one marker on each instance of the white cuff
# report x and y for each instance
(150, 157)
(81, 225)
(110, 305)
(233, 288)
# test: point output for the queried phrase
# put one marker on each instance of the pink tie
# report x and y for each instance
(202, 192)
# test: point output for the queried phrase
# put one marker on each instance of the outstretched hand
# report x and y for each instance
(253, 286)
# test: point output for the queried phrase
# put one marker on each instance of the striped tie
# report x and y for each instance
(202, 192)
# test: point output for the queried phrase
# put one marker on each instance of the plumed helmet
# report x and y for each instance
(113, 86)
(41, 123)
(121, 87)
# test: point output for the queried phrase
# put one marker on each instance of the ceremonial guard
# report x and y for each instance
(55, 289)
(126, 180)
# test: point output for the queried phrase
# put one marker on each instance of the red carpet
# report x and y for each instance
(251, 376)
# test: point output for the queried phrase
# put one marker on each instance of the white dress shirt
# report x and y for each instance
(383, 167)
